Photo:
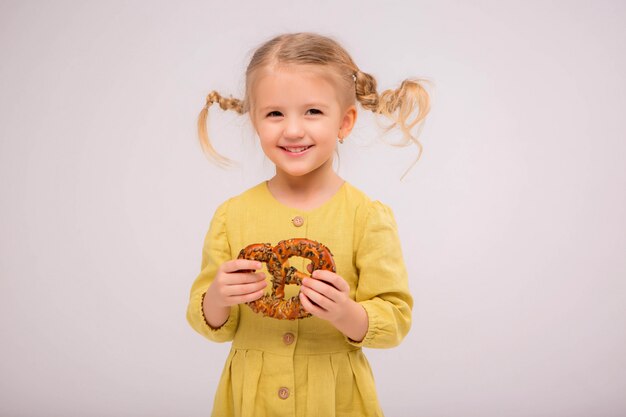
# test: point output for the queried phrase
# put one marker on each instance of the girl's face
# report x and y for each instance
(297, 114)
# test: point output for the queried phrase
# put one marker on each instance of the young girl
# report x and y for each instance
(301, 93)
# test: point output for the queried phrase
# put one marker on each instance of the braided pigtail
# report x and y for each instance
(398, 105)
(225, 104)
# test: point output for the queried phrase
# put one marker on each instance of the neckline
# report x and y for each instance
(270, 196)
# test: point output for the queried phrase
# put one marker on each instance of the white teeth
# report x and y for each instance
(296, 150)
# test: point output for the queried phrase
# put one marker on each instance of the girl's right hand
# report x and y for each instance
(236, 282)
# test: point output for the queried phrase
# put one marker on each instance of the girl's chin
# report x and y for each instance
(300, 172)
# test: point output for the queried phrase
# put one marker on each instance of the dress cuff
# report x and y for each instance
(219, 334)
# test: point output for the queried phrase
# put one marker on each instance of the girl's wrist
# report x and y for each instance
(215, 315)
(354, 322)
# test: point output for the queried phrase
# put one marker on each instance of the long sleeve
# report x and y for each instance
(216, 250)
(383, 280)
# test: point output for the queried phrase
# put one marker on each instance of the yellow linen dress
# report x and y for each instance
(305, 367)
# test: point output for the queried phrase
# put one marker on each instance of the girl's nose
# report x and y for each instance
(294, 128)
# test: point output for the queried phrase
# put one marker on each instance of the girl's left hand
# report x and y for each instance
(326, 295)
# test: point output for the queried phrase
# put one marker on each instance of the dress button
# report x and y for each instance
(283, 393)
(297, 221)
(288, 338)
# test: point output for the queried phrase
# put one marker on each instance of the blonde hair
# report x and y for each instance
(353, 85)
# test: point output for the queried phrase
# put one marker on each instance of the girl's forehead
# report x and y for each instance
(294, 72)
(293, 81)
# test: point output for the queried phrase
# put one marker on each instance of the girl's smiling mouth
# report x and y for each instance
(296, 150)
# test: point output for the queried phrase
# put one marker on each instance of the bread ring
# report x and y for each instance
(277, 260)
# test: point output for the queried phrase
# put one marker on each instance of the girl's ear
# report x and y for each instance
(348, 121)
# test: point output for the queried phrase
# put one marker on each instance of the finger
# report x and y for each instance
(332, 279)
(310, 306)
(320, 300)
(231, 295)
(246, 298)
(321, 287)
(328, 283)
(241, 264)
(309, 268)
(236, 278)
(237, 290)
(244, 289)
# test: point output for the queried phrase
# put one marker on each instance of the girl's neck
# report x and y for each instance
(305, 193)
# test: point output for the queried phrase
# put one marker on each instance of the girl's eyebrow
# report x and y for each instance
(266, 108)
(308, 105)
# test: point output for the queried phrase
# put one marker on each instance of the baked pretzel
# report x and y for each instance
(277, 260)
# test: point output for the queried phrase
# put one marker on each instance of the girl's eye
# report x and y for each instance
(274, 114)
(314, 111)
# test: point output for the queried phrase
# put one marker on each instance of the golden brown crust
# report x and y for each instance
(277, 260)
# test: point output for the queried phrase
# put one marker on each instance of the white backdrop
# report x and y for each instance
(513, 223)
